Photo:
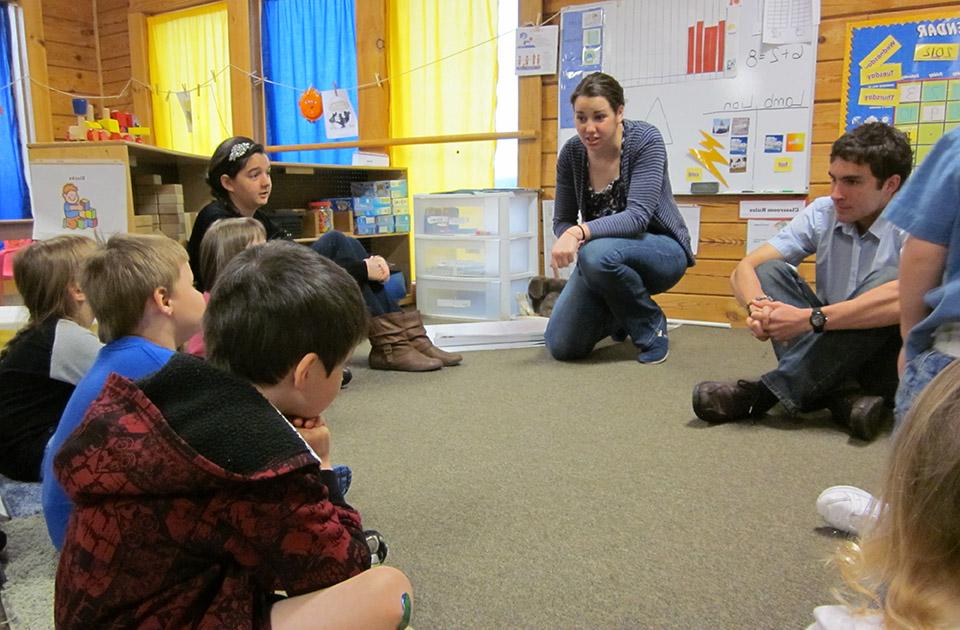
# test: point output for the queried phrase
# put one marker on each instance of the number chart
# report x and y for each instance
(906, 72)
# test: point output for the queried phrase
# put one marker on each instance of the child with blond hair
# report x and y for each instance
(141, 289)
(905, 571)
(225, 239)
(42, 364)
(208, 508)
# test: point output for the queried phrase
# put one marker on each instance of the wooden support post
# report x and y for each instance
(373, 102)
(530, 114)
(37, 61)
(140, 70)
(241, 56)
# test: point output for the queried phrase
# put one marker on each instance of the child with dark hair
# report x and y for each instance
(239, 178)
(206, 500)
(42, 364)
(836, 342)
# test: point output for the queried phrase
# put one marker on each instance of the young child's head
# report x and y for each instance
(225, 239)
(909, 562)
(139, 277)
(282, 316)
(47, 275)
(239, 174)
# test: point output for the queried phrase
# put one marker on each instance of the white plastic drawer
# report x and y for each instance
(476, 257)
(475, 214)
(465, 299)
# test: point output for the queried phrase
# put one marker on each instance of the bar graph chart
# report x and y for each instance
(668, 42)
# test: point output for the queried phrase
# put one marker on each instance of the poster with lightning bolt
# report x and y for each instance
(735, 113)
(904, 71)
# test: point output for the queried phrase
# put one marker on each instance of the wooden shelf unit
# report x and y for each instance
(294, 184)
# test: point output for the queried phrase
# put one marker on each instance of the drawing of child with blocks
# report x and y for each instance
(77, 212)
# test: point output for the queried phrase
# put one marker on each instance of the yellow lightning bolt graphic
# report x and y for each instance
(709, 156)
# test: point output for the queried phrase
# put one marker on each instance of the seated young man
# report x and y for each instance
(197, 499)
(140, 288)
(836, 347)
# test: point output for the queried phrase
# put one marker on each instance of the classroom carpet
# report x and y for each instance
(520, 492)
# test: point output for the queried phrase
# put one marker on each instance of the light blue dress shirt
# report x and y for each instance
(844, 256)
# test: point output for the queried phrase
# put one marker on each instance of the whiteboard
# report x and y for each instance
(732, 109)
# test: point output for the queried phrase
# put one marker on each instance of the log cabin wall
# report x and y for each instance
(68, 33)
(704, 293)
(115, 51)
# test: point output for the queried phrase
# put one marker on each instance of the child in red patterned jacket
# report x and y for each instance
(206, 489)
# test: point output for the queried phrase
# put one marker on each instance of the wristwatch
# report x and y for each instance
(818, 320)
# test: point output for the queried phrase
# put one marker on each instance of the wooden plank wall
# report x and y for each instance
(115, 51)
(75, 61)
(68, 30)
(704, 293)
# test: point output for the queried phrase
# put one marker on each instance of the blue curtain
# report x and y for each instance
(14, 197)
(306, 42)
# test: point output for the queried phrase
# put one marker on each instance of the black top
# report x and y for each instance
(31, 402)
(212, 212)
(610, 200)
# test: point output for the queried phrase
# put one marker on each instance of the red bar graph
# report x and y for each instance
(706, 47)
(710, 49)
(698, 49)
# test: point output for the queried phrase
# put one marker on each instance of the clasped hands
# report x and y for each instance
(315, 432)
(377, 268)
(770, 319)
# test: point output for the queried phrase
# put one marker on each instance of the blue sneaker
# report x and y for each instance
(658, 349)
(344, 477)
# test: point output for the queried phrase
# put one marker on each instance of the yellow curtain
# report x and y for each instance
(185, 48)
(457, 95)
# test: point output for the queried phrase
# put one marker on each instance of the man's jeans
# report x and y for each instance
(920, 370)
(814, 365)
(609, 293)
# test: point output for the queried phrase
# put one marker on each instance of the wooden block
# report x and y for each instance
(148, 179)
(147, 220)
(172, 219)
(343, 221)
(173, 231)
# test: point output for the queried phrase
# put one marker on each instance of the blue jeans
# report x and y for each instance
(347, 252)
(920, 370)
(609, 293)
(815, 365)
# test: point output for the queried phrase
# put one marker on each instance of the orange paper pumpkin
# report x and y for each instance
(311, 105)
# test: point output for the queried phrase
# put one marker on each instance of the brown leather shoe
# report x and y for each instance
(391, 350)
(865, 416)
(417, 336)
(717, 401)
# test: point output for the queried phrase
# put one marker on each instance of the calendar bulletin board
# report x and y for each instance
(904, 71)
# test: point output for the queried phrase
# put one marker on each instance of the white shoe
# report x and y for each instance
(847, 508)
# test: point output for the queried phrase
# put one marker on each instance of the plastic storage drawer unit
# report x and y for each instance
(479, 257)
(471, 299)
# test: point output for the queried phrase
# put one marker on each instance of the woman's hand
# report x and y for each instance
(314, 432)
(565, 250)
(377, 268)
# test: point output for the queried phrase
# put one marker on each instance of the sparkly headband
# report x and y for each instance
(239, 150)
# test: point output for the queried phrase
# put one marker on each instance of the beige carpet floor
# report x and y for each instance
(519, 492)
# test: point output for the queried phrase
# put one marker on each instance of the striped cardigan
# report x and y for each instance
(643, 169)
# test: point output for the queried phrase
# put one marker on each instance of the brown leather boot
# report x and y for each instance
(418, 338)
(391, 350)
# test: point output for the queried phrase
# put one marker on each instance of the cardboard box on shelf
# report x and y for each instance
(364, 226)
